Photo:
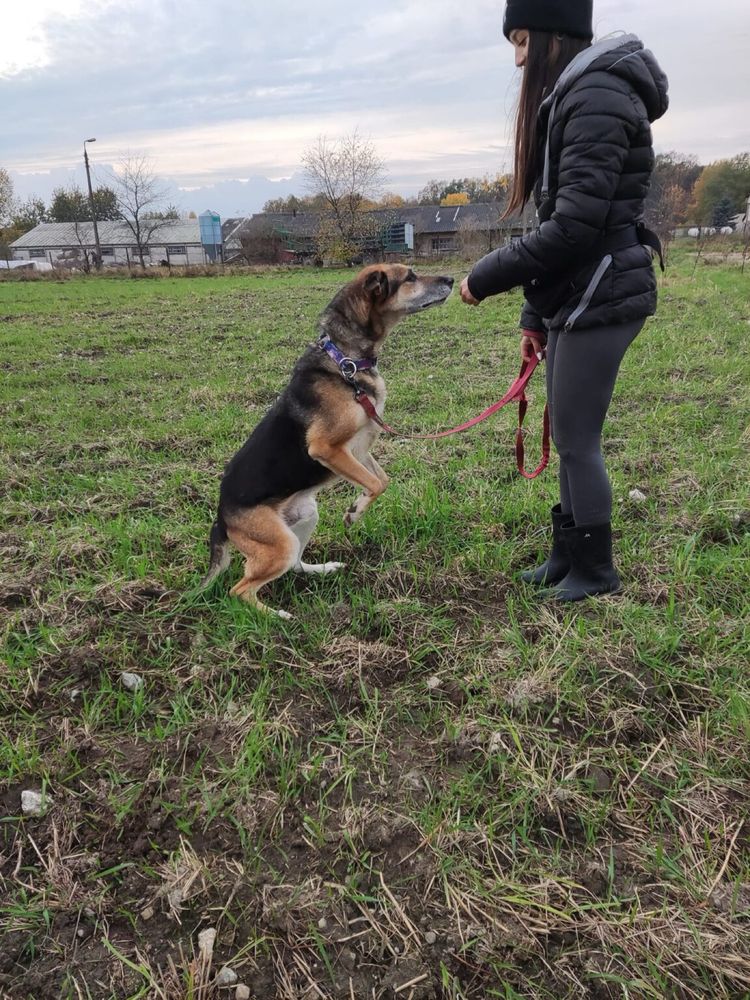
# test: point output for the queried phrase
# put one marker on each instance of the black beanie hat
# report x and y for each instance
(565, 17)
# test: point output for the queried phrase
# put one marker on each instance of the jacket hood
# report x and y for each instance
(626, 57)
(623, 56)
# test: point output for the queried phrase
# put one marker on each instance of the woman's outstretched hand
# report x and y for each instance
(466, 295)
(532, 343)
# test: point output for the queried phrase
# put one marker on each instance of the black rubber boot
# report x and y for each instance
(592, 572)
(558, 564)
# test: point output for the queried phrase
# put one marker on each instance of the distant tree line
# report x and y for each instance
(345, 180)
(463, 191)
(682, 191)
(466, 190)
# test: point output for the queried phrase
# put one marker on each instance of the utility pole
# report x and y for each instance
(98, 262)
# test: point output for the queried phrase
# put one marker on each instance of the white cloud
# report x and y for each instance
(221, 89)
(23, 41)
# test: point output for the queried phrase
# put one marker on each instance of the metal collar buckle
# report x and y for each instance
(348, 368)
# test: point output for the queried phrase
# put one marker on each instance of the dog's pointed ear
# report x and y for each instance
(377, 286)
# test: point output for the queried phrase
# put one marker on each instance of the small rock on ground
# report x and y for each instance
(242, 992)
(132, 682)
(206, 941)
(599, 779)
(34, 803)
(226, 977)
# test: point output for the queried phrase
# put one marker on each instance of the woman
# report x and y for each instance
(583, 147)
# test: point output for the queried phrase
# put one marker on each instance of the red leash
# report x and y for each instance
(516, 393)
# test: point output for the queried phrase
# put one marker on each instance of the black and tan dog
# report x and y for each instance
(316, 433)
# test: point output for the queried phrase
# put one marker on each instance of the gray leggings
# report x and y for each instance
(582, 368)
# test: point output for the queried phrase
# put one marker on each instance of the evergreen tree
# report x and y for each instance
(723, 212)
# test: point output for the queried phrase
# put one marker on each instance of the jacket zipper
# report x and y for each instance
(546, 172)
(588, 295)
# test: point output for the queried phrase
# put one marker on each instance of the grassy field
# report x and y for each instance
(428, 784)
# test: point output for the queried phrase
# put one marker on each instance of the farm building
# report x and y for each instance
(440, 230)
(271, 236)
(417, 230)
(292, 237)
(70, 243)
(741, 222)
(420, 230)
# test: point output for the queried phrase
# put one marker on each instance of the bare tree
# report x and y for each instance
(7, 205)
(666, 209)
(140, 196)
(348, 175)
(7, 200)
(482, 234)
(744, 229)
(84, 231)
(476, 237)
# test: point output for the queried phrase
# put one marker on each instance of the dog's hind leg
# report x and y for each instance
(301, 514)
(270, 549)
(247, 590)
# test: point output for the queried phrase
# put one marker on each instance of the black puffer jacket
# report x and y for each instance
(585, 266)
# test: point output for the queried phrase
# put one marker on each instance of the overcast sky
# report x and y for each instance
(226, 91)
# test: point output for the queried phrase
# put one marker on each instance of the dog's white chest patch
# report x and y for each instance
(367, 434)
(380, 400)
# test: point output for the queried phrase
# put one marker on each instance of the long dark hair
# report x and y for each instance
(547, 57)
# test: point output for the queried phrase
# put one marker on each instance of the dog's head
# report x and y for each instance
(366, 310)
(392, 291)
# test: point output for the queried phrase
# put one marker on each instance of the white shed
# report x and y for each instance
(60, 242)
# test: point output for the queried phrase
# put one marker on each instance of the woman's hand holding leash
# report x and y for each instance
(533, 343)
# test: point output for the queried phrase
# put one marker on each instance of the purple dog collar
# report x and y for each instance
(347, 366)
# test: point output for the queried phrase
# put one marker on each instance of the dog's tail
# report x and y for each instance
(219, 552)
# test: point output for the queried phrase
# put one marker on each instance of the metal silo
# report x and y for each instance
(210, 223)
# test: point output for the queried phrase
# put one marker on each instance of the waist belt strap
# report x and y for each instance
(630, 236)
(650, 239)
